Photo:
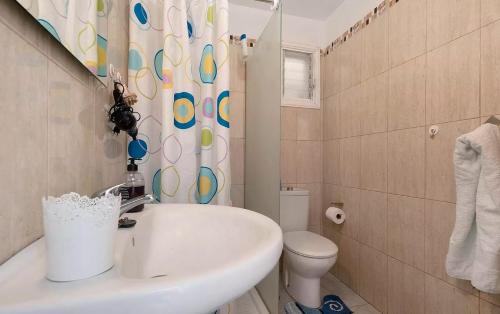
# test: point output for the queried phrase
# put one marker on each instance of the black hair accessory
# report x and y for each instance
(122, 115)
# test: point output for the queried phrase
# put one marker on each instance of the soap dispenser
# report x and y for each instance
(134, 185)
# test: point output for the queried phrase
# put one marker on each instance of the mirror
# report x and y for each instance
(81, 26)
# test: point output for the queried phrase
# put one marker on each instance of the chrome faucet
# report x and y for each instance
(127, 205)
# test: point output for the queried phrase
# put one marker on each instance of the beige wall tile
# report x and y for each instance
(336, 72)
(405, 229)
(373, 219)
(350, 108)
(70, 134)
(238, 67)
(308, 124)
(439, 222)
(288, 123)
(406, 108)
(237, 115)
(110, 151)
(288, 161)
(373, 277)
(350, 161)
(118, 31)
(374, 162)
(488, 308)
(373, 104)
(375, 57)
(314, 228)
(331, 161)
(332, 73)
(490, 11)
(309, 162)
(332, 85)
(450, 19)
(331, 194)
(406, 162)
(347, 266)
(21, 22)
(453, 80)
(408, 31)
(66, 60)
(326, 75)
(237, 147)
(315, 207)
(238, 195)
(405, 288)
(490, 68)
(24, 153)
(331, 119)
(440, 174)
(351, 54)
(491, 298)
(351, 199)
(62, 99)
(442, 298)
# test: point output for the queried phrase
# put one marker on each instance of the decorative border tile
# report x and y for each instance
(359, 25)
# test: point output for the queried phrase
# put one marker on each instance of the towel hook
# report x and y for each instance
(433, 130)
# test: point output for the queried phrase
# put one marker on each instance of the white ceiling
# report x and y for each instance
(312, 9)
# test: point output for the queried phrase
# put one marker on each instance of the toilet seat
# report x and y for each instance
(309, 244)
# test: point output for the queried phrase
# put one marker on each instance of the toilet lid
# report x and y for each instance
(309, 244)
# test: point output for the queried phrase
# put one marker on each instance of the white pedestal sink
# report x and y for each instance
(177, 259)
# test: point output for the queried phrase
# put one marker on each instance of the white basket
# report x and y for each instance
(80, 235)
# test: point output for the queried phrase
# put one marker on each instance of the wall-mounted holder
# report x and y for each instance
(433, 130)
(121, 114)
(337, 204)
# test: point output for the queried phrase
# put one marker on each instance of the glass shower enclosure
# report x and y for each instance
(263, 127)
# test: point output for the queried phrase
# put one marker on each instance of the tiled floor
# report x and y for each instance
(331, 285)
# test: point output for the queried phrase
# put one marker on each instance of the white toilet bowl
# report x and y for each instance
(307, 257)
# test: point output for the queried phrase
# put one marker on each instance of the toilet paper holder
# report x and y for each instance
(337, 204)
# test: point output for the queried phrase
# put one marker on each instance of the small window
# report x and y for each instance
(300, 77)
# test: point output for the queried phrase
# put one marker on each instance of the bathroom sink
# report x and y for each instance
(177, 259)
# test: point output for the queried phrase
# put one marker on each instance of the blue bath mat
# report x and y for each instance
(332, 304)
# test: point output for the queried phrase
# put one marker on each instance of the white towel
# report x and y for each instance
(474, 251)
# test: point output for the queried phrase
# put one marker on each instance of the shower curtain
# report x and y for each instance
(179, 68)
(80, 25)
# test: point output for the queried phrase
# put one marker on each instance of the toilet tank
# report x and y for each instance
(294, 209)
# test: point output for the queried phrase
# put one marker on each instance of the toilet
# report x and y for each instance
(307, 255)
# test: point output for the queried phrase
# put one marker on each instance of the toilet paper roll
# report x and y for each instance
(336, 215)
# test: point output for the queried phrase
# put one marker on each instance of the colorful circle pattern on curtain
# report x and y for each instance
(137, 149)
(184, 111)
(168, 79)
(51, 29)
(211, 14)
(102, 52)
(159, 64)
(135, 59)
(140, 13)
(190, 28)
(208, 68)
(206, 138)
(208, 107)
(207, 185)
(223, 109)
(157, 185)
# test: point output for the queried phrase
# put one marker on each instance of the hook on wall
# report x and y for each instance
(433, 130)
